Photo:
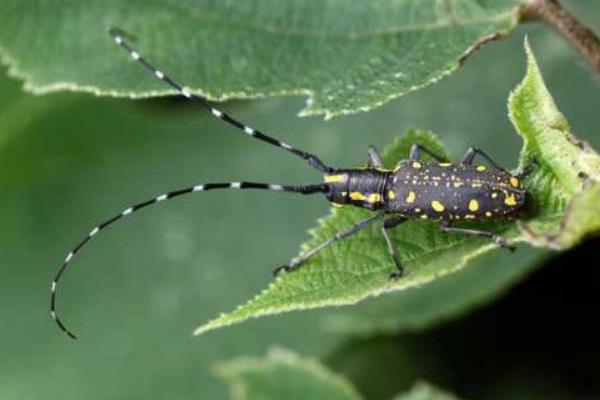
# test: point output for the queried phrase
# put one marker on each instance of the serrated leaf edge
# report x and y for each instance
(29, 84)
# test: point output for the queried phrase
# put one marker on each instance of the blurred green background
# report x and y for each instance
(68, 161)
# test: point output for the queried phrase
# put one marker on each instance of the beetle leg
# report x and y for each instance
(527, 169)
(374, 158)
(472, 152)
(415, 153)
(343, 234)
(499, 240)
(388, 224)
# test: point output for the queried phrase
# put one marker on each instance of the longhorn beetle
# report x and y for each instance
(439, 190)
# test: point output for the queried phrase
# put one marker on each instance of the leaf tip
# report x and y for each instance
(533, 69)
(527, 46)
(531, 97)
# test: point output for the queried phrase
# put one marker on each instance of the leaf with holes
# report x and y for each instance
(564, 172)
(285, 375)
(345, 56)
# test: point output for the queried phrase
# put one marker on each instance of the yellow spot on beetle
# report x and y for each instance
(374, 198)
(391, 195)
(411, 197)
(494, 195)
(357, 196)
(510, 200)
(481, 168)
(416, 165)
(473, 205)
(335, 178)
(437, 206)
(514, 182)
(488, 213)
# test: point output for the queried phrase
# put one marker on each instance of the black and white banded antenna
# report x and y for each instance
(119, 38)
(301, 189)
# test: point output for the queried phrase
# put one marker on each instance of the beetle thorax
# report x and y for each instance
(358, 187)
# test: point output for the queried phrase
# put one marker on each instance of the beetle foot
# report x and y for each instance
(502, 242)
(397, 274)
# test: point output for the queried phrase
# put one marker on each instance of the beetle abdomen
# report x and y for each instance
(453, 191)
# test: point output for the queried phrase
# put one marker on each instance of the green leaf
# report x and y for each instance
(283, 375)
(424, 391)
(571, 168)
(358, 267)
(449, 296)
(345, 56)
(581, 218)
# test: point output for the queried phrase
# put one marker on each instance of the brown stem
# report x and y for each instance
(580, 36)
